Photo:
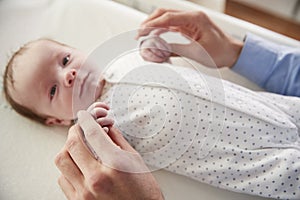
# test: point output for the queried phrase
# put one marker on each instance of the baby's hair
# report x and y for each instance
(8, 84)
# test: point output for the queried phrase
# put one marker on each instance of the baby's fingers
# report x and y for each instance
(148, 55)
(98, 113)
(106, 129)
(163, 48)
(104, 122)
(98, 105)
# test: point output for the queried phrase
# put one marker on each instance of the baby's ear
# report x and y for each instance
(50, 121)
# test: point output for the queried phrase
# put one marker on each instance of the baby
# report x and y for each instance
(39, 81)
(208, 129)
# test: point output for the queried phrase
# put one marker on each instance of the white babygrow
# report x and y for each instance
(209, 129)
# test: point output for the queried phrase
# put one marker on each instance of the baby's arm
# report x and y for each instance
(99, 111)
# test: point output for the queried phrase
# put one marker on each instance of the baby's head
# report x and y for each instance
(39, 81)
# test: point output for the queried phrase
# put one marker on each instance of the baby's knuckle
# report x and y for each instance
(111, 121)
(93, 105)
(93, 112)
(103, 105)
(103, 111)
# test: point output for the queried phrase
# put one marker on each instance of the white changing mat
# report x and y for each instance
(27, 149)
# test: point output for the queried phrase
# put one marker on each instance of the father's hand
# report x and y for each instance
(117, 173)
(207, 36)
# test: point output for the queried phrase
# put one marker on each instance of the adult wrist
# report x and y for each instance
(236, 47)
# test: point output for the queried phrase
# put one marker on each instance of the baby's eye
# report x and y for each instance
(66, 60)
(52, 91)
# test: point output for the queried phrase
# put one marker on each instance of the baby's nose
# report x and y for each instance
(70, 78)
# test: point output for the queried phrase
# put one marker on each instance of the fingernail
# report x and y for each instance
(105, 129)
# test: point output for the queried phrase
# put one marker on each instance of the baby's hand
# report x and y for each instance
(155, 49)
(99, 111)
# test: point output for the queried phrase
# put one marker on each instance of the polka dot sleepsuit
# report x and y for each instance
(209, 129)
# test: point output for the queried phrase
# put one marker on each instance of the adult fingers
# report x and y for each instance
(109, 152)
(84, 159)
(125, 158)
(119, 140)
(66, 187)
(68, 168)
(157, 13)
(195, 52)
(95, 136)
(166, 20)
(189, 23)
(169, 19)
(158, 31)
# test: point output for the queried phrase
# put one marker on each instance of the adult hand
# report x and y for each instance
(222, 48)
(86, 178)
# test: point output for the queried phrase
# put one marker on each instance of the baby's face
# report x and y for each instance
(45, 78)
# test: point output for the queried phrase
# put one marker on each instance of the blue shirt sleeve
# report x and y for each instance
(274, 67)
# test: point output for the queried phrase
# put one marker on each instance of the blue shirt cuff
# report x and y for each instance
(256, 59)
